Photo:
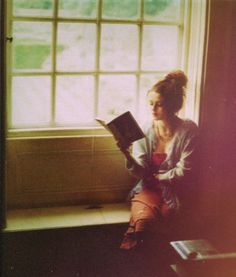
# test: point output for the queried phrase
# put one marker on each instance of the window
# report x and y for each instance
(73, 60)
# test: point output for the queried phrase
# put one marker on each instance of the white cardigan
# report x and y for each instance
(177, 172)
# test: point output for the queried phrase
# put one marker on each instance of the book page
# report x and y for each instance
(200, 247)
(103, 123)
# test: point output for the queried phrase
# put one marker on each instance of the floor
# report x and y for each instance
(77, 241)
(91, 251)
(84, 242)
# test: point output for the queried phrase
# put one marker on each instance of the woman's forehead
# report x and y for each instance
(155, 96)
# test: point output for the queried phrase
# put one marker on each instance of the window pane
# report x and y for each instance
(119, 47)
(32, 8)
(122, 9)
(31, 102)
(78, 8)
(32, 46)
(160, 51)
(76, 47)
(116, 95)
(162, 10)
(74, 100)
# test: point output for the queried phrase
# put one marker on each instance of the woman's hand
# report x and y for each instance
(156, 177)
(125, 149)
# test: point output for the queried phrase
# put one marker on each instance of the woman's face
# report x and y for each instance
(156, 105)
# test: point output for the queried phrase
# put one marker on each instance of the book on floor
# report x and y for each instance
(192, 249)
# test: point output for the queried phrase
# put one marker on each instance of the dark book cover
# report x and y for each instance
(124, 128)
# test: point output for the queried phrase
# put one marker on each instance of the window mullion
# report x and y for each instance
(9, 68)
(98, 48)
(54, 65)
(138, 76)
(185, 32)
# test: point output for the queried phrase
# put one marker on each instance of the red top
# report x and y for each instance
(158, 158)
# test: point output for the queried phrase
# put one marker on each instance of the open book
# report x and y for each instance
(192, 249)
(124, 128)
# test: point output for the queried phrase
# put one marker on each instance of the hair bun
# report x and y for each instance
(177, 77)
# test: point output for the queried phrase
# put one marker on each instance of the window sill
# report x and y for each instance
(58, 132)
(65, 217)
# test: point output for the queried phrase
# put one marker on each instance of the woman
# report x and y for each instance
(163, 161)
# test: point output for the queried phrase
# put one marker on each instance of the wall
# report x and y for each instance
(218, 114)
(65, 171)
(37, 168)
(2, 118)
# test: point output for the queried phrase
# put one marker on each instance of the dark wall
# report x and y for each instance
(2, 119)
(218, 115)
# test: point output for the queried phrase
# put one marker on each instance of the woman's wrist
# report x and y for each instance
(156, 176)
(130, 159)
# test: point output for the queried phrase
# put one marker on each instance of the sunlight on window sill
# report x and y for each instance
(57, 132)
(64, 217)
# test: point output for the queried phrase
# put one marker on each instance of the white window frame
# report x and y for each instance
(191, 63)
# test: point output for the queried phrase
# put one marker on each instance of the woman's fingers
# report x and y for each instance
(156, 176)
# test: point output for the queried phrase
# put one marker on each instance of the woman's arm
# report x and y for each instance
(136, 162)
(185, 167)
